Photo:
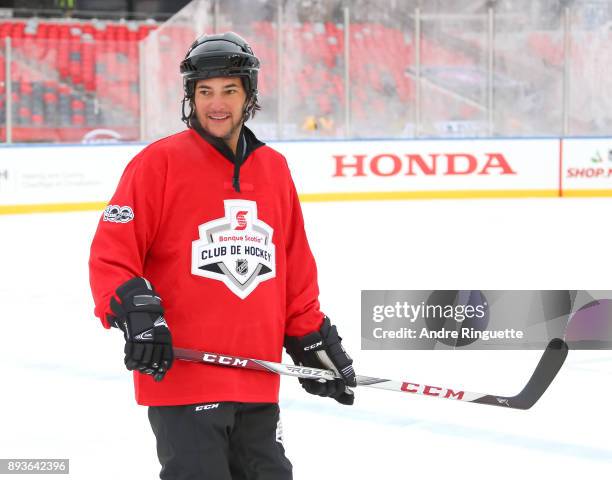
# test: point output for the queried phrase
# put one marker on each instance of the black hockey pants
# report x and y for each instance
(220, 441)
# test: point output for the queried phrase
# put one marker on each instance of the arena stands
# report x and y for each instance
(69, 77)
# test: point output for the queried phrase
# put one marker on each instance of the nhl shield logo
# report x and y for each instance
(242, 266)
(236, 249)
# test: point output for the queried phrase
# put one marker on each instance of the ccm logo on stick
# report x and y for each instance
(220, 359)
(431, 390)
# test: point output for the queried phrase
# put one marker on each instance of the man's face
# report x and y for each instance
(218, 105)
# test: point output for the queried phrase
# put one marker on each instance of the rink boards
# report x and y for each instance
(83, 177)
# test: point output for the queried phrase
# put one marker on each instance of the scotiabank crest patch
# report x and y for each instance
(236, 249)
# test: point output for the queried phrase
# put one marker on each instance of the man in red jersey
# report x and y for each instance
(203, 246)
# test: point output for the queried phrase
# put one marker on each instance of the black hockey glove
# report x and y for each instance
(139, 314)
(323, 349)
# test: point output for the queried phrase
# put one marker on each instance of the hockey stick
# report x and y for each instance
(543, 375)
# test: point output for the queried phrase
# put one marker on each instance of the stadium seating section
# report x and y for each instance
(378, 60)
(70, 77)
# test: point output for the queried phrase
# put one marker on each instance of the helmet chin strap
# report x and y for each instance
(245, 110)
(185, 118)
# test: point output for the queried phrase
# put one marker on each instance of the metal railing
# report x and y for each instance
(418, 72)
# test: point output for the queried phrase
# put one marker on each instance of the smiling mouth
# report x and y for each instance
(219, 117)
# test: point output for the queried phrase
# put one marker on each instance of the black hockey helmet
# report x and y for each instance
(221, 55)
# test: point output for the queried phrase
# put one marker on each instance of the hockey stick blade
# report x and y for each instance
(545, 372)
(549, 365)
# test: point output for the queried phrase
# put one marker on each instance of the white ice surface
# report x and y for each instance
(66, 394)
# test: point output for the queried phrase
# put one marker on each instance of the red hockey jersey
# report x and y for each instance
(234, 270)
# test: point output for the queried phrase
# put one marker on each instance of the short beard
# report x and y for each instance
(233, 130)
(225, 138)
